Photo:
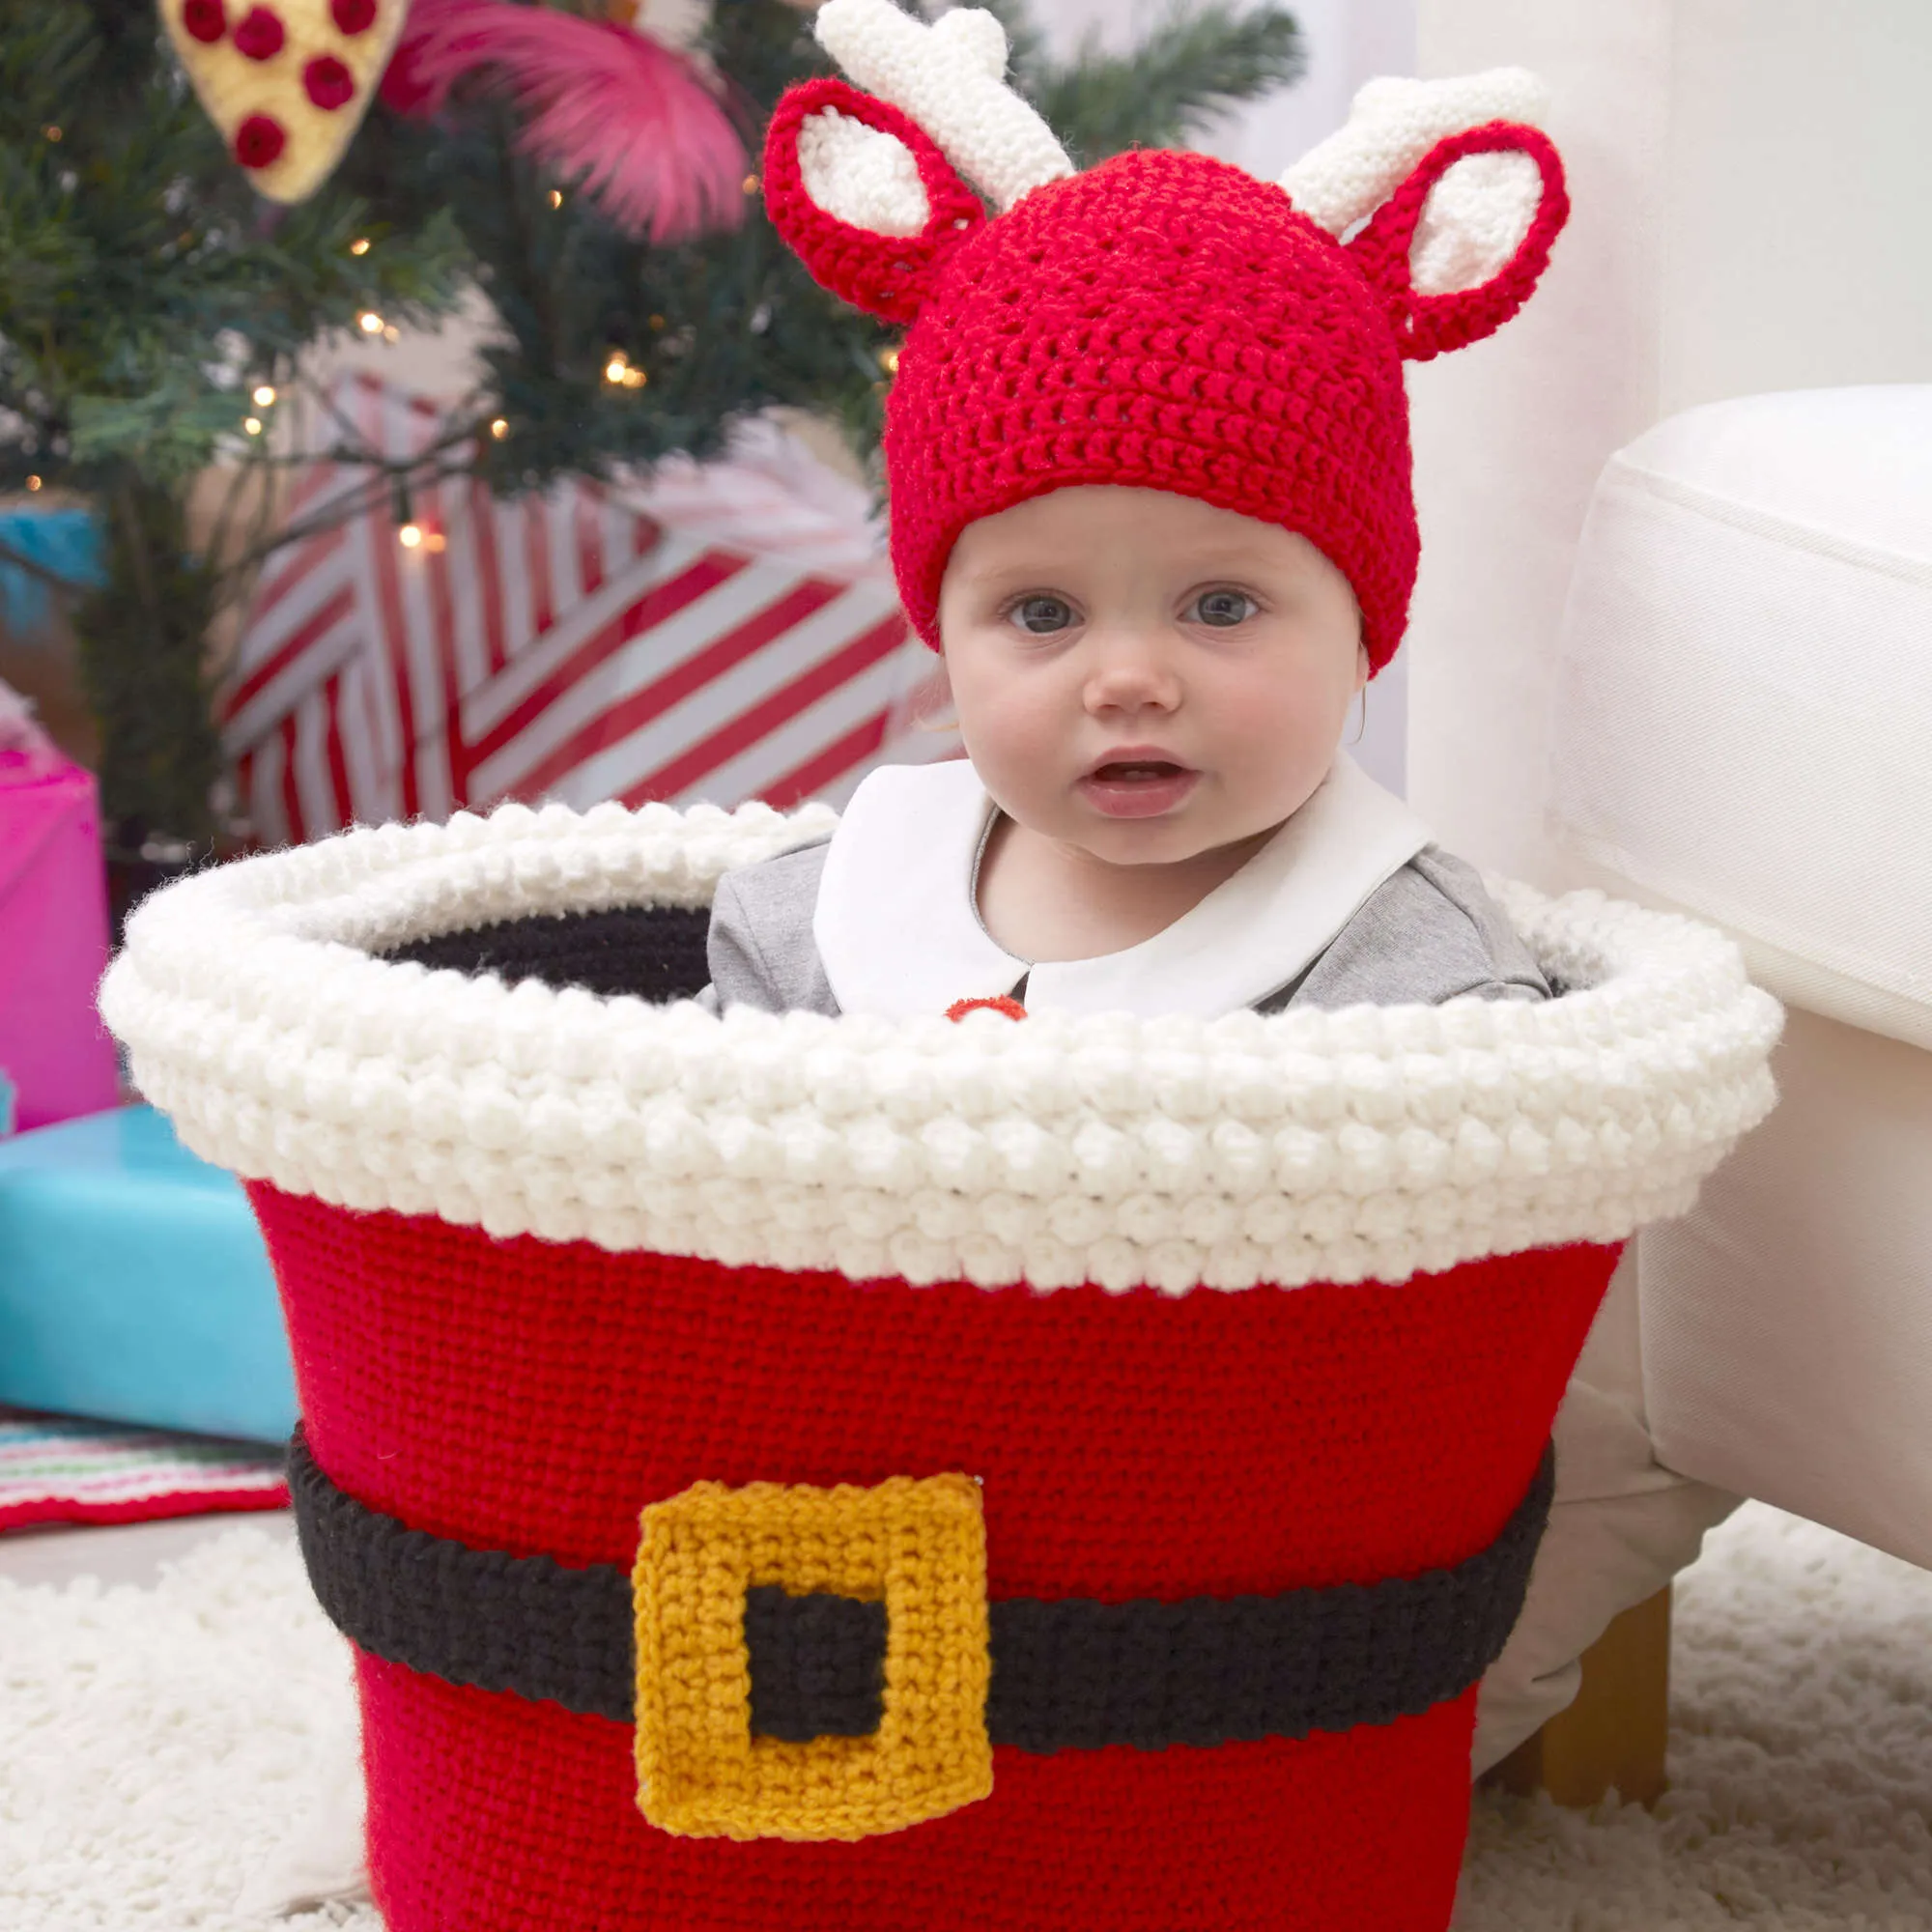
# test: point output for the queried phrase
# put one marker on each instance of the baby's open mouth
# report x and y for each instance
(1138, 788)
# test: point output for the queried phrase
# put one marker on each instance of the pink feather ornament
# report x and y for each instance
(625, 116)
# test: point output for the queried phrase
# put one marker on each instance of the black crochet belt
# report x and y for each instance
(1065, 1673)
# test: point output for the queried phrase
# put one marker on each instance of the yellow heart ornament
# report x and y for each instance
(287, 81)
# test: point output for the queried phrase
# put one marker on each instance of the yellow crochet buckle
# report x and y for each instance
(918, 1545)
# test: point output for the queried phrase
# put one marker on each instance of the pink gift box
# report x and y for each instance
(53, 938)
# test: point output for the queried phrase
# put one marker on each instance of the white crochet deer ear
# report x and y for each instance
(871, 188)
(863, 197)
(861, 175)
(1477, 215)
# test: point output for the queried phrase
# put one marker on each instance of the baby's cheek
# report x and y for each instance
(1278, 739)
(1015, 747)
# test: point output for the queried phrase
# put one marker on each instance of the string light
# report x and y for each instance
(253, 424)
(888, 361)
(360, 246)
(51, 132)
(409, 532)
(556, 197)
(500, 429)
(390, 332)
(33, 482)
(433, 540)
(618, 372)
(369, 322)
(265, 396)
(750, 184)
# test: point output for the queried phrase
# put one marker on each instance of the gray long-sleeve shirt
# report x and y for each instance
(1427, 934)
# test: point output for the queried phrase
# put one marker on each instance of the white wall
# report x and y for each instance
(1797, 251)
(1750, 182)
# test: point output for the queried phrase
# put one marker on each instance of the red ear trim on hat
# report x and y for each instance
(888, 275)
(1429, 326)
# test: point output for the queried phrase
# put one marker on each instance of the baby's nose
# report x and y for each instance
(1132, 666)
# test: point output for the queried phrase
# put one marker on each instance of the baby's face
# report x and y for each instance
(1098, 618)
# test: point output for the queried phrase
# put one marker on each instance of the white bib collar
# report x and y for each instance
(898, 934)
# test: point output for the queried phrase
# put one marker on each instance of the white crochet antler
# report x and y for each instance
(949, 78)
(1477, 212)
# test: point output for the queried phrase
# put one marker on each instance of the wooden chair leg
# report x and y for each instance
(1614, 1736)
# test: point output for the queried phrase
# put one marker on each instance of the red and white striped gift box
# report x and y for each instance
(725, 630)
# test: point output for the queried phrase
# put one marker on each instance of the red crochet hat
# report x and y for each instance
(1163, 320)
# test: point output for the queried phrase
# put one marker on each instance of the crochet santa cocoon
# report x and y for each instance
(1061, 1476)
(640, 1351)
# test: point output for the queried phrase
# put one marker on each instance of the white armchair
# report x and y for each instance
(1743, 694)
(1742, 708)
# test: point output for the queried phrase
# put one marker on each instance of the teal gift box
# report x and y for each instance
(135, 1285)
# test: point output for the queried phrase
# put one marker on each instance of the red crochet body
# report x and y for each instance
(534, 1396)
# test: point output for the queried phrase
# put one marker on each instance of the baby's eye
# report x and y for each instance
(1043, 614)
(1223, 608)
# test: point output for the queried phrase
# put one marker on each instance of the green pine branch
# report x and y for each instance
(1194, 66)
(732, 324)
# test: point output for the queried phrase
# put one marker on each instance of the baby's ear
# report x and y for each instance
(864, 196)
(1498, 162)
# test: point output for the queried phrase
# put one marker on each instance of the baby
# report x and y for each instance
(1149, 470)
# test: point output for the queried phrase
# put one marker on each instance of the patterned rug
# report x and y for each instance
(60, 1468)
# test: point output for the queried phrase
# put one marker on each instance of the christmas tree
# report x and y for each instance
(147, 297)
(154, 311)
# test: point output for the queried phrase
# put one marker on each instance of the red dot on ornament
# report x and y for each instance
(259, 36)
(205, 20)
(329, 82)
(259, 140)
(353, 16)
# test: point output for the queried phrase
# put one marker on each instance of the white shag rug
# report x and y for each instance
(159, 1750)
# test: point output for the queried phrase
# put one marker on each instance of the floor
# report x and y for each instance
(121, 1552)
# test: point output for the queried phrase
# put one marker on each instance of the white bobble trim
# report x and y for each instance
(1172, 1153)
